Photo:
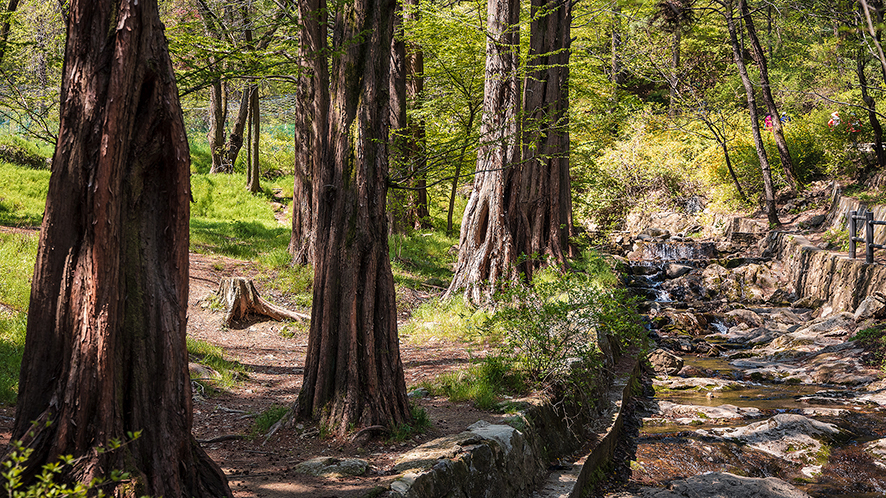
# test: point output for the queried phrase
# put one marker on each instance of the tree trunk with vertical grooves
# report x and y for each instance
(235, 138)
(353, 373)
(399, 199)
(781, 144)
(487, 252)
(545, 194)
(218, 114)
(871, 106)
(737, 54)
(254, 167)
(416, 145)
(311, 127)
(105, 350)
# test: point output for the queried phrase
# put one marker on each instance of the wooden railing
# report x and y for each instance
(867, 217)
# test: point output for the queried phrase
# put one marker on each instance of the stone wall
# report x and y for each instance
(510, 461)
(833, 278)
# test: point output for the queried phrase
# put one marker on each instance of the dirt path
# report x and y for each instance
(258, 468)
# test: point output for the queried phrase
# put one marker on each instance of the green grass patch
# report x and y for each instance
(226, 219)
(22, 195)
(483, 383)
(422, 257)
(266, 419)
(420, 424)
(229, 372)
(17, 255)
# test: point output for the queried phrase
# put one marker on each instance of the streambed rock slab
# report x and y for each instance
(688, 414)
(707, 383)
(720, 485)
(788, 436)
(877, 451)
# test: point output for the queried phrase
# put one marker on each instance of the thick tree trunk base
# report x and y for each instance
(241, 300)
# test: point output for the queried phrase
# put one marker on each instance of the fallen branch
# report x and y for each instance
(241, 299)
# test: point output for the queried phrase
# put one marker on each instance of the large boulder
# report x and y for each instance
(665, 362)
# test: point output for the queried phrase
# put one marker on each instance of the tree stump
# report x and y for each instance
(241, 299)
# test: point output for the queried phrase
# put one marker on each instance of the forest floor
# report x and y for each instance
(257, 467)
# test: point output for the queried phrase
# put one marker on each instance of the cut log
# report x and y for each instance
(241, 299)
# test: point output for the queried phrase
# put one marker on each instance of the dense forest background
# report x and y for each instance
(656, 104)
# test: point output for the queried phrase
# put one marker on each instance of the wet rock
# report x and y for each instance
(808, 302)
(689, 414)
(745, 316)
(873, 306)
(788, 436)
(720, 485)
(665, 362)
(781, 297)
(674, 270)
(877, 451)
(743, 334)
(332, 467)
(686, 323)
(678, 383)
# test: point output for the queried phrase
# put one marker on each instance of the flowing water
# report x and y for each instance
(676, 447)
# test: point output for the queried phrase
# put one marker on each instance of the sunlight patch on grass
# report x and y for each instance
(452, 320)
(22, 195)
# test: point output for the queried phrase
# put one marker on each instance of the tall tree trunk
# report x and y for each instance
(105, 351)
(235, 138)
(311, 127)
(545, 194)
(398, 199)
(871, 105)
(472, 115)
(416, 144)
(218, 114)
(254, 168)
(353, 373)
(486, 252)
(738, 56)
(781, 144)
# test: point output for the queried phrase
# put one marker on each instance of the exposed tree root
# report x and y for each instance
(241, 299)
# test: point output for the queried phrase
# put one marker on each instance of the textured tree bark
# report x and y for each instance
(105, 350)
(353, 373)
(486, 252)
(254, 167)
(311, 127)
(416, 153)
(235, 137)
(768, 191)
(545, 194)
(218, 113)
(871, 106)
(781, 144)
(399, 199)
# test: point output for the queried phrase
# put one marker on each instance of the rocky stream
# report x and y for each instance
(757, 392)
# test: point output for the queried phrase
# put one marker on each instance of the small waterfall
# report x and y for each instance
(677, 251)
